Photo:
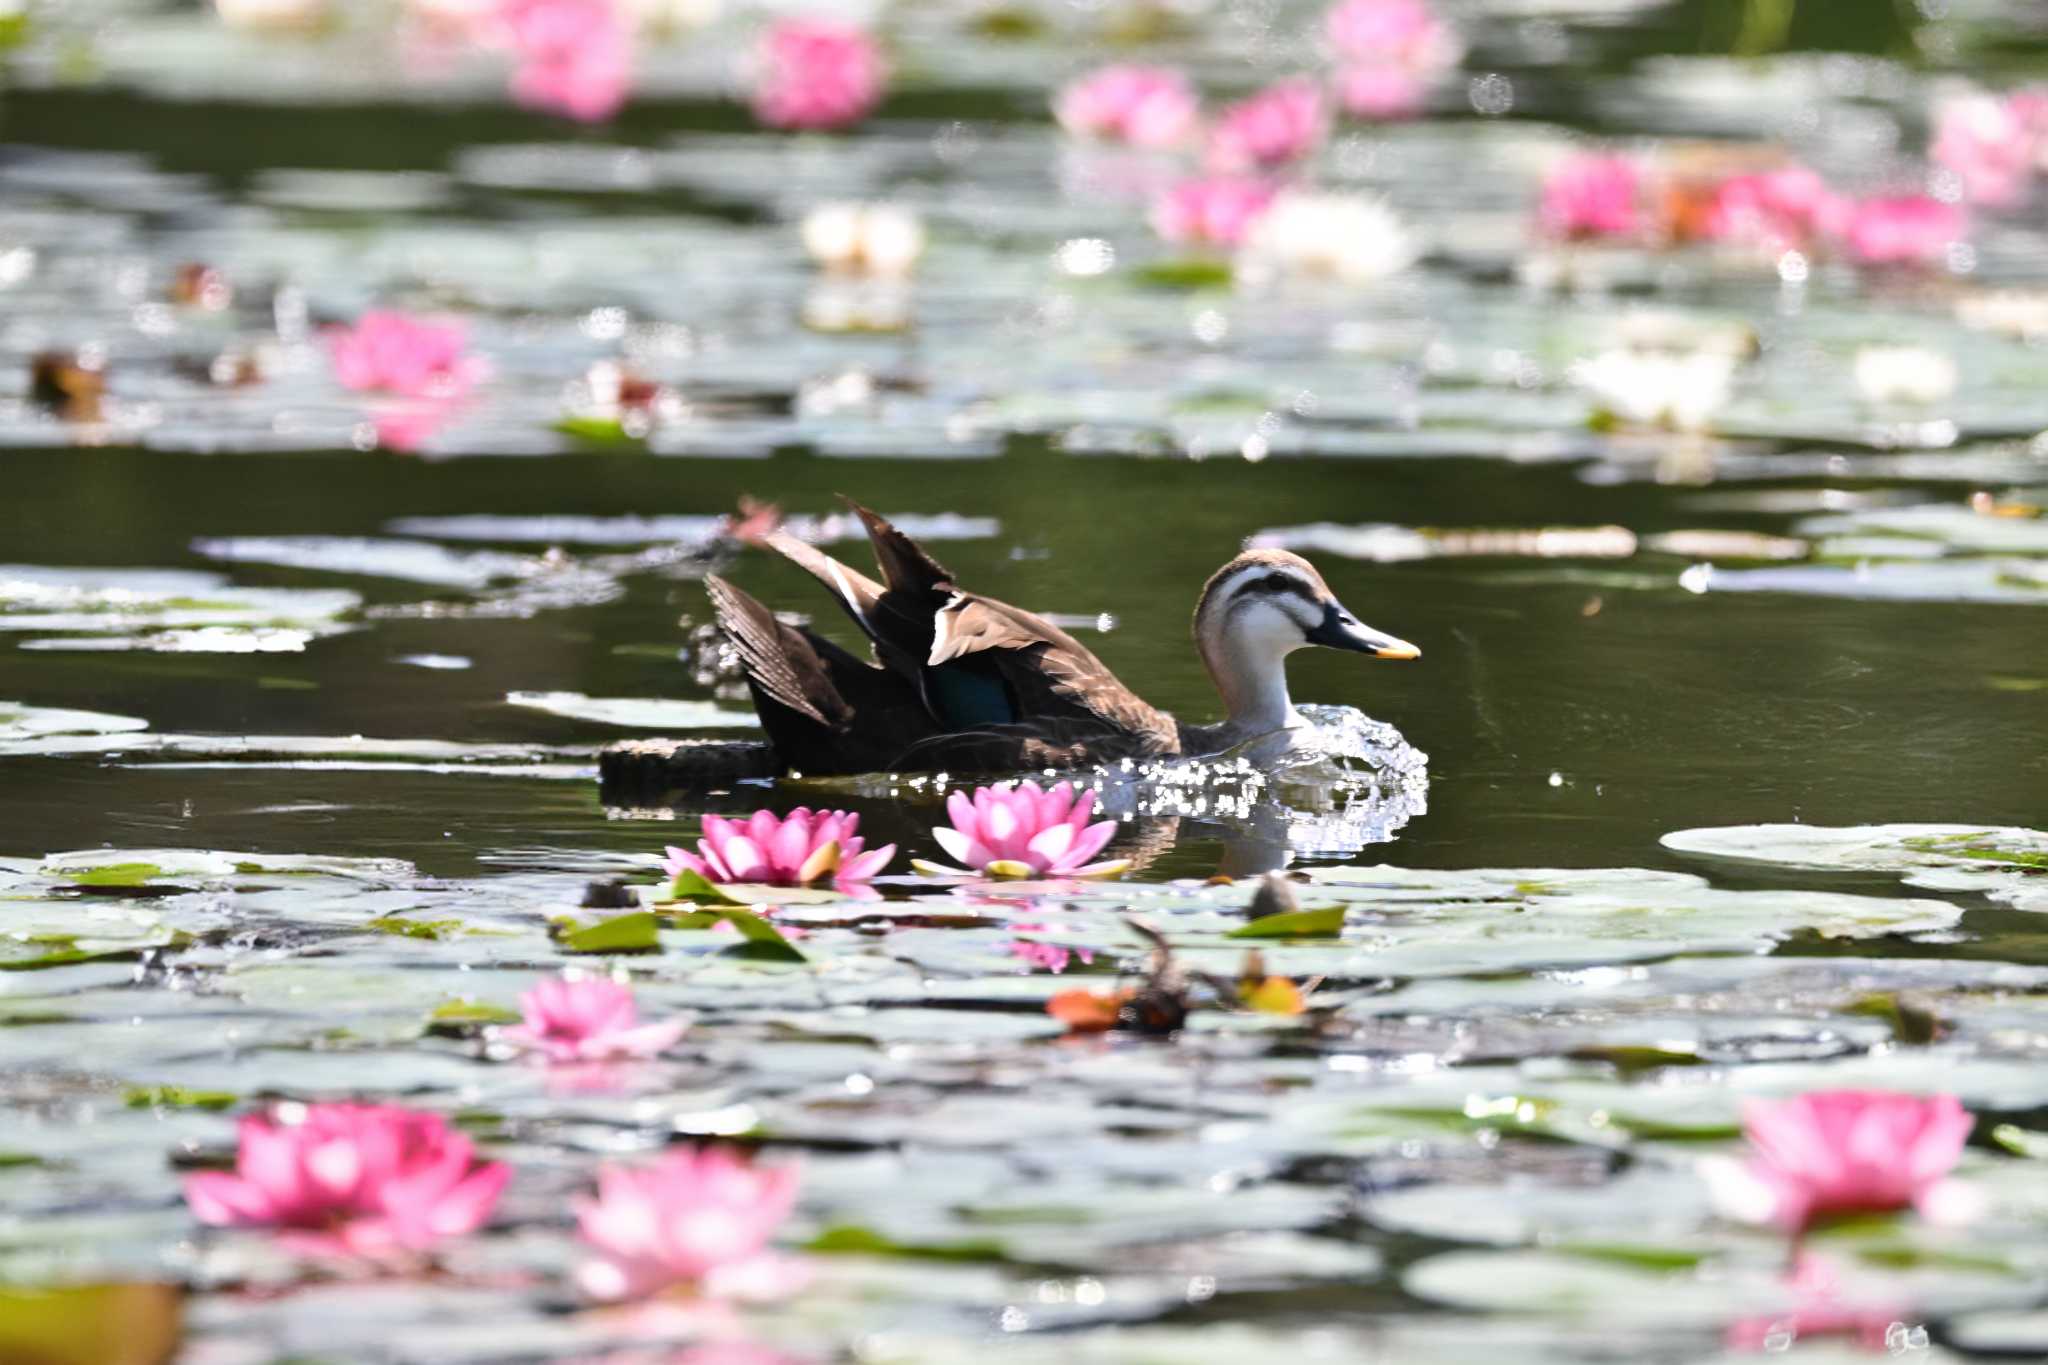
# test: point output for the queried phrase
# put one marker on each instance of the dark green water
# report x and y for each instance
(1661, 711)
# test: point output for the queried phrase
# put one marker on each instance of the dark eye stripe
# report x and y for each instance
(1276, 584)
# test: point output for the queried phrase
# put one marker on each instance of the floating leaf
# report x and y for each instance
(460, 1018)
(848, 1239)
(1325, 921)
(433, 930)
(638, 932)
(177, 1097)
(96, 1324)
(1192, 273)
(762, 938)
(695, 887)
(115, 874)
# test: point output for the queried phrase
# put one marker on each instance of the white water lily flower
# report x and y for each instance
(2017, 313)
(1904, 374)
(1661, 329)
(1346, 237)
(272, 15)
(1682, 392)
(864, 239)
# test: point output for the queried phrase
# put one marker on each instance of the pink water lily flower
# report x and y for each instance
(1818, 1309)
(1840, 1152)
(575, 56)
(1053, 957)
(1217, 211)
(1990, 144)
(796, 850)
(1388, 53)
(366, 1180)
(1145, 106)
(1399, 33)
(814, 73)
(1020, 830)
(698, 1216)
(1592, 195)
(1375, 91)
(1280, 124)
(1778, 210)
(393, 352)
(571, 1019)
(1914, 229)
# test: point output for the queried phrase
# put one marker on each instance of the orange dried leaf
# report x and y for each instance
(1087, 1011)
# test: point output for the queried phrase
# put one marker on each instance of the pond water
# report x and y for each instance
(301, 694)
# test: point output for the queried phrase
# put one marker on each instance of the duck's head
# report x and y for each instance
(1258, 609)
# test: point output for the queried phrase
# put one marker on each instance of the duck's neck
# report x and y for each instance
(1251, 676)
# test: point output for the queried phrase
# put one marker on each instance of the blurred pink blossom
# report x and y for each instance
(351, 1179)
(1217, 211)
(815, 73)
(1833, 1153)
(1592, 195)
(699, 1216)
(1990, 144)
(1146, 106)
(1778, 210)
(1053, 957)
(1019, 830)
(392, 352)
(1818, 1310)
(1398, 33)
(405, 427)
(1903, 230)
(1374, 91)
(587, 1019)
(796, 850)
(1282, 123)
(575, 56)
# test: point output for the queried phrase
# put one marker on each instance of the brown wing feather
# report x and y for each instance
(1059, 684)
(824, 710)
(779, 659)
(906, 568)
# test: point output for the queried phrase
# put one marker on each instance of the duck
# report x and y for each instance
(961, 682)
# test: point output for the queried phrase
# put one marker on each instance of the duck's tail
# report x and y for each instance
(782, 662)
(825, 711)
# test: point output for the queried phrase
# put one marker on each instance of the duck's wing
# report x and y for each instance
(824, 710)
(1057, 684)
(976, 664)
(905, 566)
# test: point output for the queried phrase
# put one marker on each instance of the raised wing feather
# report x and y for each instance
(1058, 682)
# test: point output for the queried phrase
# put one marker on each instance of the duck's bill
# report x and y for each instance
(1339, 629)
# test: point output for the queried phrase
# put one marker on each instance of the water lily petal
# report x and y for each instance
(1050, 845)
(955, 843)
(823, 860)
(867, 864)
(744, 858)
(1091, 841)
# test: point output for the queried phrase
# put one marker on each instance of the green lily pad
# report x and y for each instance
(762, 939)
(638, 932)
(93, 1324)
(177, 1097)
(1322, 922)
(850, 1239)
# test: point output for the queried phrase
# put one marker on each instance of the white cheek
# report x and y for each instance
(1267, 629)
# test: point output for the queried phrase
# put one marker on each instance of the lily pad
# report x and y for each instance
(634, 713)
